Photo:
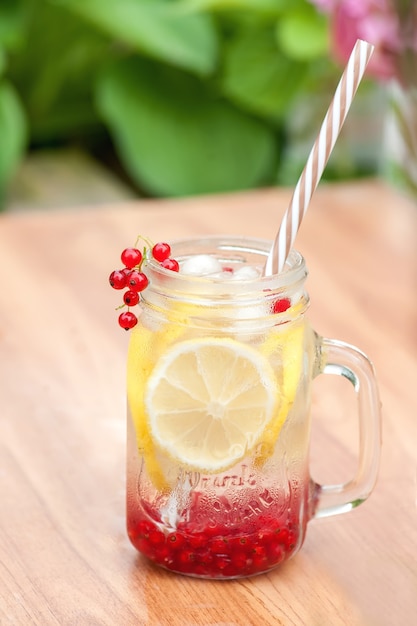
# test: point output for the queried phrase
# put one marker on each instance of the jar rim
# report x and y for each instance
(292, 276)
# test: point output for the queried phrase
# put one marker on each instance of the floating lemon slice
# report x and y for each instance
(209, 400)
(145, 347)
(285, 350)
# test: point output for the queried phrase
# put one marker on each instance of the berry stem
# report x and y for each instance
(147, 241)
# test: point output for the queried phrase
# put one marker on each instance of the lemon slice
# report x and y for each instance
(209, 400)
(285, 350)
(145, 347)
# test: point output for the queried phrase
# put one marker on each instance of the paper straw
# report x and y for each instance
(319, 155)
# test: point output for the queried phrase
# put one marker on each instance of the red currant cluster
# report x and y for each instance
(132, 278)
(214, 552)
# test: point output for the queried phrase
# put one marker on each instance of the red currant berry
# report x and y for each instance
(161, 251)
(144, 528)
(221, 562)
(131, 257)
(163, 555)
(131, 298)
(171, 264)
(219, 545)
(283, 535)
(127, 320)
(206, 557)
(275, 553)
(200, 570)
(239, 543)
(144, 546)
(281, 305)
(137, 281)
(176, 540)
(156, 537)
(291, 540)
(239, 560)
(117, 279)
(259, 551)
(186, 557)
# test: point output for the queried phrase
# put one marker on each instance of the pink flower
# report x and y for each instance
(378, 22)
(373, 21)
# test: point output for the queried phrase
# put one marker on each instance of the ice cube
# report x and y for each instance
(201, 265)
(222, 275)
(246, 272)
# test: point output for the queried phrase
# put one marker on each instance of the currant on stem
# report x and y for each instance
(132, 277)
(127, 320)
(131, 298)
(137, 281)
(171, 264)
(131, 257)
(161, 251)
(117, 279)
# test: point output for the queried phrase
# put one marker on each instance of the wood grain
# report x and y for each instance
(64, 555)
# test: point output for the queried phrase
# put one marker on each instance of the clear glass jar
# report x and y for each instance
(219, 386)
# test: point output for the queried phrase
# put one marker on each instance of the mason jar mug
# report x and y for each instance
(219, 380)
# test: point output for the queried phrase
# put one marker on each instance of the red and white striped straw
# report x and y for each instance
(319, 155)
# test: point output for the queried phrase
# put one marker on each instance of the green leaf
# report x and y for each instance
(12, 132)
(13, 19)
(155, 27)
(2, 61)
(55, 71)
(303, 34)
(258, 76)
(177, 138)
(270, 6)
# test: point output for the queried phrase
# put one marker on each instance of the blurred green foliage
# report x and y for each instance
(194, 95)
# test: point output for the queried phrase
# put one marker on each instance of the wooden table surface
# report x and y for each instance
(64, 555)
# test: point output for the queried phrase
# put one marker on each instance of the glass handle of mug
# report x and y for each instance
(342, 359)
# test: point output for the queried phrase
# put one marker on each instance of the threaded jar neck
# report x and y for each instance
(230, 297)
